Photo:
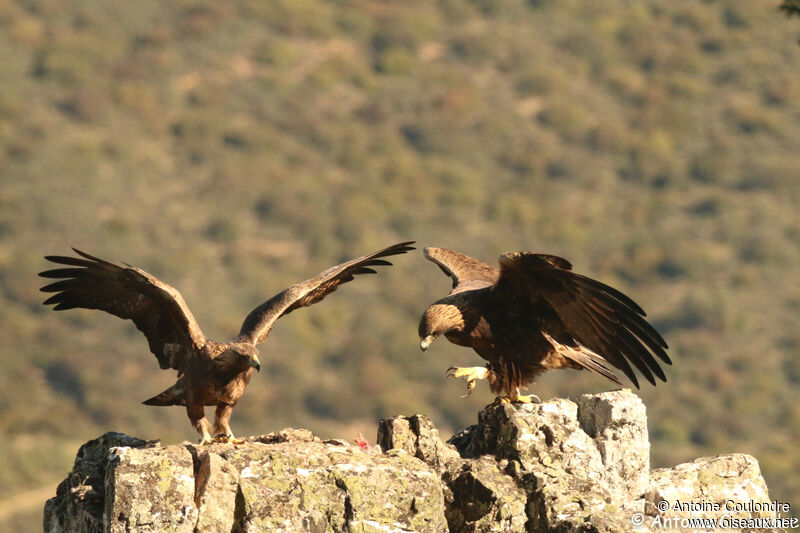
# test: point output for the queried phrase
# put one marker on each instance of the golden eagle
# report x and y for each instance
(535, 315)
(209, 372)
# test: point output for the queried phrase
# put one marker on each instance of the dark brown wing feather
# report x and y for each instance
(257, 324)
(466, 272)
(595, 315)
(157, 309)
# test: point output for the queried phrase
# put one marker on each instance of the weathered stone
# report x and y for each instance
(617, 421)
(724, 479)
(418, 437)
(215, 491)
(559, 466)
(570, 465)
(79, 501)
(323, 487)
(396, 489)
(150, 489)
(370, 526)
(484, 499)
(286, 435)
(286, 488)
(395, 434)
(537, 435)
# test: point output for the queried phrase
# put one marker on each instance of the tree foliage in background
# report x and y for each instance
(235, 148)
(791, 7)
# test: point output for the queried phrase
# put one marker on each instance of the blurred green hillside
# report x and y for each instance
(233, 148)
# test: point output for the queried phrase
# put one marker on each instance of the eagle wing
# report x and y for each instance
(596, 316)
(157, 309)
(257, 324)
(466, 272)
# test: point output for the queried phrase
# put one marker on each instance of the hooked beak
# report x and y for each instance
(255, 363)
(427, 341)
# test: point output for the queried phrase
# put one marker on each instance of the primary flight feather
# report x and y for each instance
(209, 373)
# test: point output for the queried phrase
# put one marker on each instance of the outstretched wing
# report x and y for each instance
(466, 272)
(257, 324)
(597, 317)
(157, 309)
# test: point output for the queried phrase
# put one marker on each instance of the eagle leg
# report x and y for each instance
(222, 428)
(471, 375)
(225, 439)
(197, 417)
(516, 397)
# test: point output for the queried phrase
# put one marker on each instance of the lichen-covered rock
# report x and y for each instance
(396, 489)
(567, 458)
(150, 489)
(289, 481)
(418, 437)
(559, 466)
(546, 434)
(484, 499)
(725, 480)
(286, 435)
(216, 487)
(80, 498)
(617, 421)
(324, 487)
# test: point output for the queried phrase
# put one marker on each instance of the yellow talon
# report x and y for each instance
(470, 374)
(517, 398)
(532, 398)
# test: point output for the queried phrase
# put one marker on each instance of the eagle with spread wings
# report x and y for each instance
(209, 373)
(534, 315)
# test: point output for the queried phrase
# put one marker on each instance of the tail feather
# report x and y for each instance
(586, 358)
(590, 362)
(172, 396)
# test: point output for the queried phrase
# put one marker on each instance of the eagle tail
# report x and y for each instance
(585, 358)
(591, 361)
(172, 396)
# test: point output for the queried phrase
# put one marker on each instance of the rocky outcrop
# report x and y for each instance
(555, 466)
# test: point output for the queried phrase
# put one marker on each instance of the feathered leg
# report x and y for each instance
(197, 417)
(513, 380)
(222, 428)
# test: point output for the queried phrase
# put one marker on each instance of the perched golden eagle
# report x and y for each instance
(535, 315)
(209, 372)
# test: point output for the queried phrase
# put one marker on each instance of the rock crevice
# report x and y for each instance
(560, 465)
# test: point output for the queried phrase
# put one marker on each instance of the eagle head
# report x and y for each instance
(437, 320)
(244, 354)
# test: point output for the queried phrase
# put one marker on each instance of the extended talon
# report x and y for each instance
(517, 398)
(530, 398)
(470, 374)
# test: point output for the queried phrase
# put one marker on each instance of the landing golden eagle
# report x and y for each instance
(535, 315)
(209, 372)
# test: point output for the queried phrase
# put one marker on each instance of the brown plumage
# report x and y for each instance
(209, 372)
(535, 315)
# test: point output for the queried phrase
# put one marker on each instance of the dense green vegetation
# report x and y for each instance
(234, 148)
